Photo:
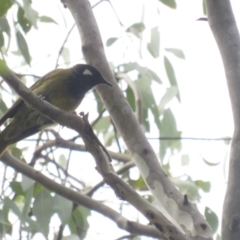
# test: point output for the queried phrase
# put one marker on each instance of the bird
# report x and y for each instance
(63, 88)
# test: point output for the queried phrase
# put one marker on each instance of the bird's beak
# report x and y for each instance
(104, 81)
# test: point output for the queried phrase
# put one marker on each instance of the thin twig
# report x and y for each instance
(64, 42)
(116, 136)
(190, 138)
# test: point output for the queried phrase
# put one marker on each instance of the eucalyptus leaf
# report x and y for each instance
(169, 3)
(167, 98)
(43, 210)
(63, 207)
(5, 5)
(46, 19)
(71, 237)
(80, 224)
(30, 13)
(136, 29)
(26, 183)
(66, 55)
(187, 187)
(168, 130)
(204, 185)
(23, 21)
(176, 52)
(23, 46)
(153, 46)
(148, 101)
(4, 26)
(171, 75)
(111, 41)
(143, 71)
(1, 40)
(212, 219)
(204, 7)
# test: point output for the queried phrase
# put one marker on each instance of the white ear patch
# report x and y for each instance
(87, 72)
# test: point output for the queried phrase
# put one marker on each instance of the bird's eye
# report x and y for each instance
(87, 72)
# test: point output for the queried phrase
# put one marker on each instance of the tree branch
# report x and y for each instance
(146, 160)
(123, 223)
(225, 31)
(98, 152)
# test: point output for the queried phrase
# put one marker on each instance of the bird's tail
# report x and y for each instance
(3, 147)
(3, 142)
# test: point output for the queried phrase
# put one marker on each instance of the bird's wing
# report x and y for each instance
(35, 87)
(11, 111)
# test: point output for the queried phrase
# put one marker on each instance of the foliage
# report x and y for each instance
(36, 207)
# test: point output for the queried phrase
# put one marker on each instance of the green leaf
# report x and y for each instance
(23, 21)
(11, 205)
(171, 75)
(185, 159)
(65, 55)
(4, 6)
(169, 3)
(136, 29)
(63, 207)
(111, 41)
(71, 237)
(27, 204)
(17, 187)
(100, 105)
(139, 184)
(187, 187)
(167, 98)
(4, 25)
(204, 7)
(169, 129)
(62, 161)
(102, 125)
(80, 224)
(3, 107)
(22, 44)
(47, 19)
(143, 71)
(148, 101)
(1, 39)
(210, 163)
(43, 210)
(30, 13)
(218, 237)
(168, 124)
(16, 152)
(130, 98)
(205, 186)
(108, 138)
(26, 183)
(153, 75)
(2, 220)
(153, 46)
(211, 218)
(177, 52)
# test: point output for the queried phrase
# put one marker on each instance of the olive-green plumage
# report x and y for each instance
(64, 88)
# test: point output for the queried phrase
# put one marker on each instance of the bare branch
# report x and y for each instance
(225, 31)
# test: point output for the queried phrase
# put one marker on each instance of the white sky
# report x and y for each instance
(205, 108)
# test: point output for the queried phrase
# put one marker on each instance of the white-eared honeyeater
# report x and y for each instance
(64, 88)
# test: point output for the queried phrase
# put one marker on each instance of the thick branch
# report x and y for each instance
(132, 227)
(225, 31)
(163, 190)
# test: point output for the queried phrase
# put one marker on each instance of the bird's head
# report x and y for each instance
(89, 75)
